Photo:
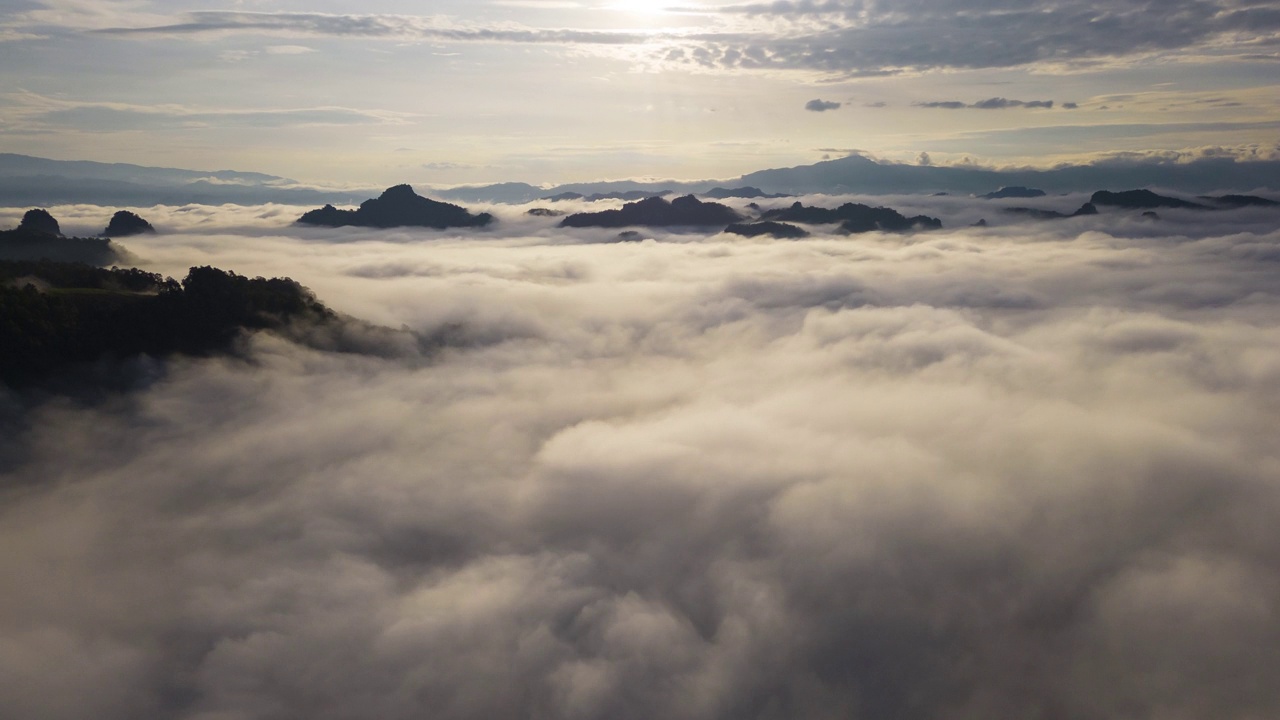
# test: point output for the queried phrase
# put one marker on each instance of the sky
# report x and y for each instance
(1003, 469)
(548, 91)
(1019, 471)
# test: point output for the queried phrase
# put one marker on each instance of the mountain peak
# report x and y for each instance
(40, 220)
(398, 206)
(125, 223)
(399, 192)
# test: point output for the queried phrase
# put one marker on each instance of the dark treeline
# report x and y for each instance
(26, 243)
(54, 315)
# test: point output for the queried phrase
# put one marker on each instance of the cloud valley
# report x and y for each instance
(1019, 471)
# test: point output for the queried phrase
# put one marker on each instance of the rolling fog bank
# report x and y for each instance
(1019, 471)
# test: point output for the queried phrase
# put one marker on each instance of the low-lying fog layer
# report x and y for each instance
(1028, 471)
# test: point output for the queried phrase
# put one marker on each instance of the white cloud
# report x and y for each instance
(854, 38)
(970, 472)
(289, 50)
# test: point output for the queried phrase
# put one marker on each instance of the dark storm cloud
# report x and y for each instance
(1024, 471)
(821, 105)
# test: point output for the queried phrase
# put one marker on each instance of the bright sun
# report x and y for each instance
(646, 7)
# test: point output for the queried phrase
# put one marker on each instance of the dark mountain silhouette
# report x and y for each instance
(398, 206)
(564, 196)
(857, 174)
(28, 180)
(1039, 214)
(750, 193)
(1150, 215)
(61, 314)
(23, 244)
(544, 212)
(503, 192)
(40, 221)
(657, 212)
(862, 175)
(1141, 200)
(125, 223)
(854, 218)
(1016, 191)
(38, 237)
(768, 227)
(1239, 201)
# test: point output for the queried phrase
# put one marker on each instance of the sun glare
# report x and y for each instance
(641, 7)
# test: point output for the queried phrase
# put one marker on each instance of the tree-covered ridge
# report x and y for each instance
(125, 223)
(854, 218)
(39, 237)
(398, 206)
(54, 315)
(24, 244)
(39, 220)
(657, 212)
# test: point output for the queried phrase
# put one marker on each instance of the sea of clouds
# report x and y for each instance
(1023, 471)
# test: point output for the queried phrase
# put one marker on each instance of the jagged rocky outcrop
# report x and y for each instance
(1014, 191)
(1040, 214)
(854, 218)
(398, 206)
(125, 223)
(1141, 200)
(657, 212)
(39, 220)
(767, 227)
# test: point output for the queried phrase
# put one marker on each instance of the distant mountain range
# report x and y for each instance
(860, 175)
(31, 181)
(28, 181)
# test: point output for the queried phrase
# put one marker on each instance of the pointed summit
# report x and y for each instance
(398, 192)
